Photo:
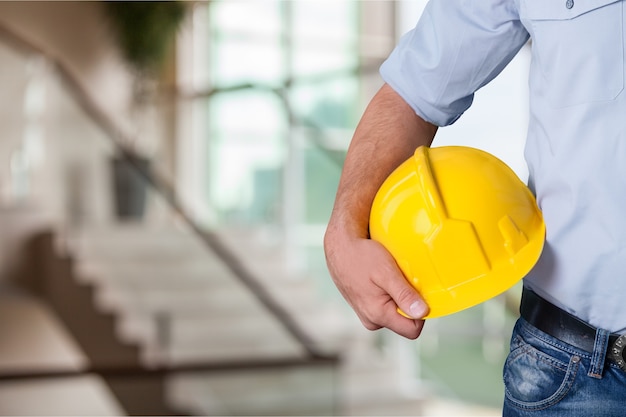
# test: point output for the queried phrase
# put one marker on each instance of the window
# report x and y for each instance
(284, 85)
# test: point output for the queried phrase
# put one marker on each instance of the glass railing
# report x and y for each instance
(156, 304)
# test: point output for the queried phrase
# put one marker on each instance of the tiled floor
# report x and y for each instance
(32, 339)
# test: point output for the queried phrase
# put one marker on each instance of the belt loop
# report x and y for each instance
(598, 357)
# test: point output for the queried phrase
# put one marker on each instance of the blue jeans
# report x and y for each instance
(546, 377)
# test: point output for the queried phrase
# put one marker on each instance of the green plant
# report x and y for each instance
(145, 30)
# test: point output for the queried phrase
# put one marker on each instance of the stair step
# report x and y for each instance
(230, 353)
(223, 300)
(121, 250)
(198, 272)
(297, 391)
(138, 275)
(209, 338)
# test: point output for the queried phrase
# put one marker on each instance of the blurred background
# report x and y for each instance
(167, 170)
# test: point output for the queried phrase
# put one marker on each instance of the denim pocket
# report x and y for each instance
(534, 380)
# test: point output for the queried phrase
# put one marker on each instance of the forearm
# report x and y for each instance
(363, 270)
(388, 133)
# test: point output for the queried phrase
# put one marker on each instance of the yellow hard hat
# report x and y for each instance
(460, 224)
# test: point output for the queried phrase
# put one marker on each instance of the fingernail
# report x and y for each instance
(418, 309)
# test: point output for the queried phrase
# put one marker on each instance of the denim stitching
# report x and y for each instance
(553, 341)
(559, 394)
(600, 346)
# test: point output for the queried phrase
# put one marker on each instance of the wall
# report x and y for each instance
(53, 158)
(77, 34)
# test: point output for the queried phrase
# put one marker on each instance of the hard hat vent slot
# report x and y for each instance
(514, 238)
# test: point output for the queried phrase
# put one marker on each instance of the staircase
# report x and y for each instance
(95, 330)
(155, 298)
(179, 301)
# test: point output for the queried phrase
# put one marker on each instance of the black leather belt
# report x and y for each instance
(564, 326)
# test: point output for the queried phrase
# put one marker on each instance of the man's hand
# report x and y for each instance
(371, 282)
(363, 270)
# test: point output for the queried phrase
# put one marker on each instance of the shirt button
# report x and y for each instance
(569, 4)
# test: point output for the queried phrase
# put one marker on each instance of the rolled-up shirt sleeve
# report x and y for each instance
(457, 47)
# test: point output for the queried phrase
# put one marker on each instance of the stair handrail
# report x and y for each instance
(155, 370)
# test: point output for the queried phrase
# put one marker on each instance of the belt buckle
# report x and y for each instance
(616, 352)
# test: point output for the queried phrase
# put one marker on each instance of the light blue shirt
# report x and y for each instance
(576, 145)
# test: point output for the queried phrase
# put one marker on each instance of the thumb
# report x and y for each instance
(410, 303)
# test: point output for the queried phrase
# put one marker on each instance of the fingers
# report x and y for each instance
(371, 282)
(407, 327)
(392, 281)
(401, 294)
